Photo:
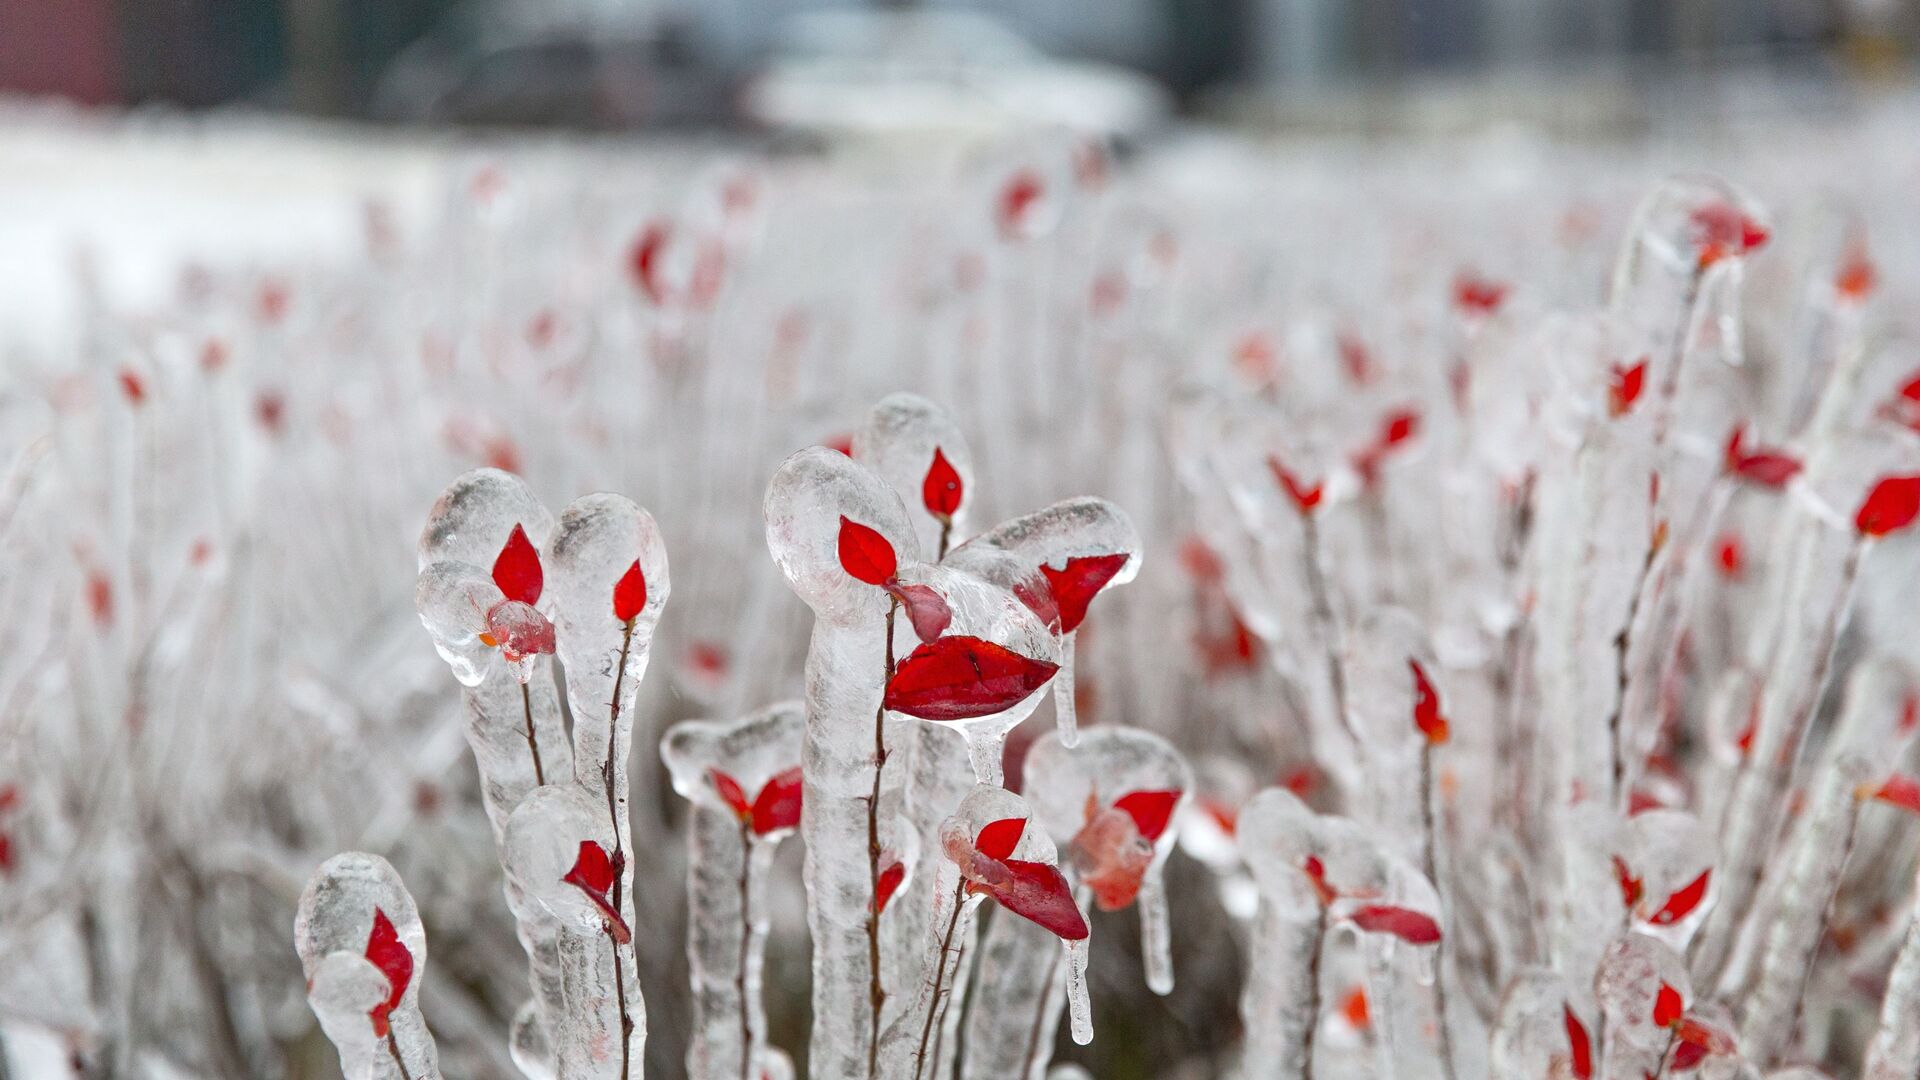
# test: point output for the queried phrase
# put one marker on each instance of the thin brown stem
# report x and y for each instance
(746, 939)
(619, 859)
(1039, 1016)
(1432, 869)
(946, 537)
(1673, 1034)
(1313, 996)
(526, 702)
(939, 978)
(1622, 644)
(1323, 615)
(876, 989)
(393, 1047)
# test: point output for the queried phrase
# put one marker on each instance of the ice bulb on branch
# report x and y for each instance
(360, 942)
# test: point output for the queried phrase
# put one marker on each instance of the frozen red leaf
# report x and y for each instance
(387, 952)
(1768, 468)
(630, 593)
(645, 260)
(593, 874)
(1722, 229)
(1579, 1045)
(1039, 893)
(1076, 584)
(1624, 386)
(132, 386)
(1354, 1009)
(1399, 426)
(1426, 706)
(1667, 1007)
(1404, 923)
(1686, 1056)
(926, 609)
(1682, 901)
(1730, 556)
(1304, 498)
(1631, 887)
(1701, 1036)
(1890, 506)
(941, 491)
(891, 876)
(997, 839)
(731, 793)
(961, 678)
(1475, 295)
(777, 806)
(518, 630)
(841, 443)
(1018, 198)
(517, 568)
(1899, 790)
(1150, 811)
(1316, 872)
(865, 554)
(1856, 277)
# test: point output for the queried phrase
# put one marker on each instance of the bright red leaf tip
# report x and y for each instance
(593, 875)
(865, 554)
(1404, 923)
(777, 806)
(891, 876)
(1426, 706)
(1722, 229)
(1475, 295)
(1667, 1007)
(1304, 498)
(961, 678)
(1039, 893)
(1631, 887)
(1579, 1045)
(387, 952)
(1354, 1009)
(630, 594)
(1076, 584)
(731, 793)
(1898, 790)
(1768, 468)
(941, 491)
(1624, 386)
(926, 608)
(1018, 198)
(1150, 811)
(1682, 901)
(997, 839)
(842, 443)
(1890, 506)
(1316, 872)
(517, 568)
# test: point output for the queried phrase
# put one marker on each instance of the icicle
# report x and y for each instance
(1156, 938)
(1077, 1007)
(1894, 1053)
(1066, 714)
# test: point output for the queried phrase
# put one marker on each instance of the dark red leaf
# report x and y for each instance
(890, 878)
(1686, 1056)
(1682, 901)
(1625, 386)
(961, 678)
(1039, 893)
(941, 491)
(630, 594)
(1150, 811)
(1768, 468)
(387, 952)
(1890, 506)
(731, 793)
(1304, 498)
(645, 257)
(1426, 706)
(865, 554)
(997, 839)
(1901, 791)
(593, 875)
(1579, 1046)
(926, 608)
(1667, 1007)
(517, 568)
(778, 804)
(1075, 585)
(1404, 923)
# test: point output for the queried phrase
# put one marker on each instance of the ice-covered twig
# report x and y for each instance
(364, 952)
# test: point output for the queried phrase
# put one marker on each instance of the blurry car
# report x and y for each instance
(857, 73)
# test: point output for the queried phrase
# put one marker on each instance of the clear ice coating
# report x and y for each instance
(742, 779)
(360, 942)
(903, 435)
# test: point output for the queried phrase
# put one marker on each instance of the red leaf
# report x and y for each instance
(1901, 791)
(778, 804)
(961, 678)
(1316, 872)
(1682, 901)
(1398, 427)
(1667, 1007)
(1686, 1055)
(1625, 386)
(890, 878)
(1040, 894)
(1475, 295)
(1631, 887)
(865, 554)
(517, 568)
(997, 839)
(1404, 923)
(1890, 506)
(941, 491)
(1856, 277)
(731, 793)
(1304, 498)
(630, 594)
(1018, 196)
(1579, 1046)
(518, 630)
(387, 952)
(593, 875)
(1708, 1039)
(1150, 811)
(926, 608)
(132, 386)
(1731, 556)
(1075, 585)
(1426, 707)
(1355, 1009)
(1768, 468)
(645, 257)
